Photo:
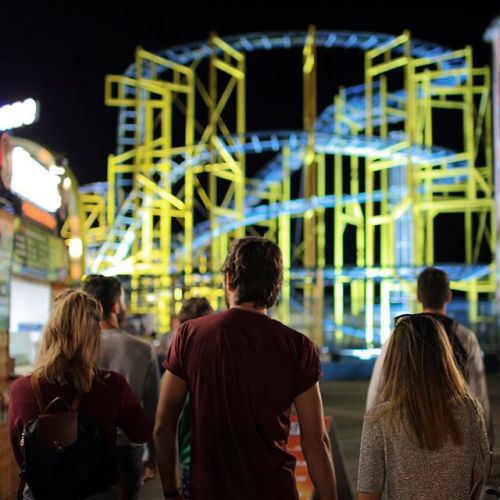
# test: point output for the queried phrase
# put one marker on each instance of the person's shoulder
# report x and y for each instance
(469, 414)
(465, 335)
(196, 325)
(288, 332)
(20, 385)
(377, 412)
(469, 407)
(136, 343)
(110, 379)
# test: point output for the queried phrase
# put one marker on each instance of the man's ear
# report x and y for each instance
(115, 308)
(228, 279)
(449, 296)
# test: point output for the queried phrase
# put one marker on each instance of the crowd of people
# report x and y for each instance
(217, 425)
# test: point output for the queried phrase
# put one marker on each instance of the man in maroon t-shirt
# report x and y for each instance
(244, 371)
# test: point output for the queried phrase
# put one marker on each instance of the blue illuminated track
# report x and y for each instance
(286, 40)
(263, 142)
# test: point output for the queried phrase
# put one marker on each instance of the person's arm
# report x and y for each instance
(477, 373)
(173, 393)
(375, 385)
(132, 419)
(371, 473)
(19, 412)
(482, 457)
(315, 443)
(150, 402)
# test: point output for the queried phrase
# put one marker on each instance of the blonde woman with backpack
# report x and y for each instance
(426, 438)
(74, 458)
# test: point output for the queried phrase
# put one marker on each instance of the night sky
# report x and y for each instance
(60, 57)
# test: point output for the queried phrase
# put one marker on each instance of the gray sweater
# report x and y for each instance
(393, 463)
(136, 361)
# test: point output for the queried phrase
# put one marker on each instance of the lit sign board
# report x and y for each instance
(38, 215)
(18, 114)
(33, 182)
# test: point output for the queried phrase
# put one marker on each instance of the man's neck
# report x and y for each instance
(109, 324)
(248, 306)
(441, 311)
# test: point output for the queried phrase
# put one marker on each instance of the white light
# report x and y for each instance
(18, 114)
(33, 181)
(75, 248)
(30, 111)
(364, 354)
(55, 169)
(66, 183)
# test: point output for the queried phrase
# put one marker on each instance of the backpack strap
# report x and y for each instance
(35, 386)
(76, 400)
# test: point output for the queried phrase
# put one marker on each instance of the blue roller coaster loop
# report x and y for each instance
(252, 42)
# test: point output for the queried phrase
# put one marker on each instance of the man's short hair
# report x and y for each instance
(256, 269)
(194, 308)
(106, 289)
(433, 287)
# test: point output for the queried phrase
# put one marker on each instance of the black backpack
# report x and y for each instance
(64, 451)
(450, 326)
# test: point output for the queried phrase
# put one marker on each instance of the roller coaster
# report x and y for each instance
(367, 173)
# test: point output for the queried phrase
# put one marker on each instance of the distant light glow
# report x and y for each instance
(18, 114)
(32, 181)
(57, 170)
(66, 183)
(363, 354)
(75, 248)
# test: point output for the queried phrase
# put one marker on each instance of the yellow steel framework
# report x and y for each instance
(406, 187)
(226, 172)
(459, 182)
(139, 184)
(94, 217)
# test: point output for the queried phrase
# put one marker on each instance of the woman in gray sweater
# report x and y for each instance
(426, 438)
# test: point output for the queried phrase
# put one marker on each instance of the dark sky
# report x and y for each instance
(61, 56)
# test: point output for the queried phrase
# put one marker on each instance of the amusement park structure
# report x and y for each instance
(367, 169)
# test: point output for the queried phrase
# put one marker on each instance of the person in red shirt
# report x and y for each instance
(244, 371)
(67, 363)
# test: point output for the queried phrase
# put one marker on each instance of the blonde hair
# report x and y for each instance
(70, 344)
(422, 382)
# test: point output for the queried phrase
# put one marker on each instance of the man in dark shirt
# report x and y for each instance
(244, 371)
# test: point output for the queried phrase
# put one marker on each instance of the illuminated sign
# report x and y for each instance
(38, 253)
(33, 182)
(18, 114)
(38, 215)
